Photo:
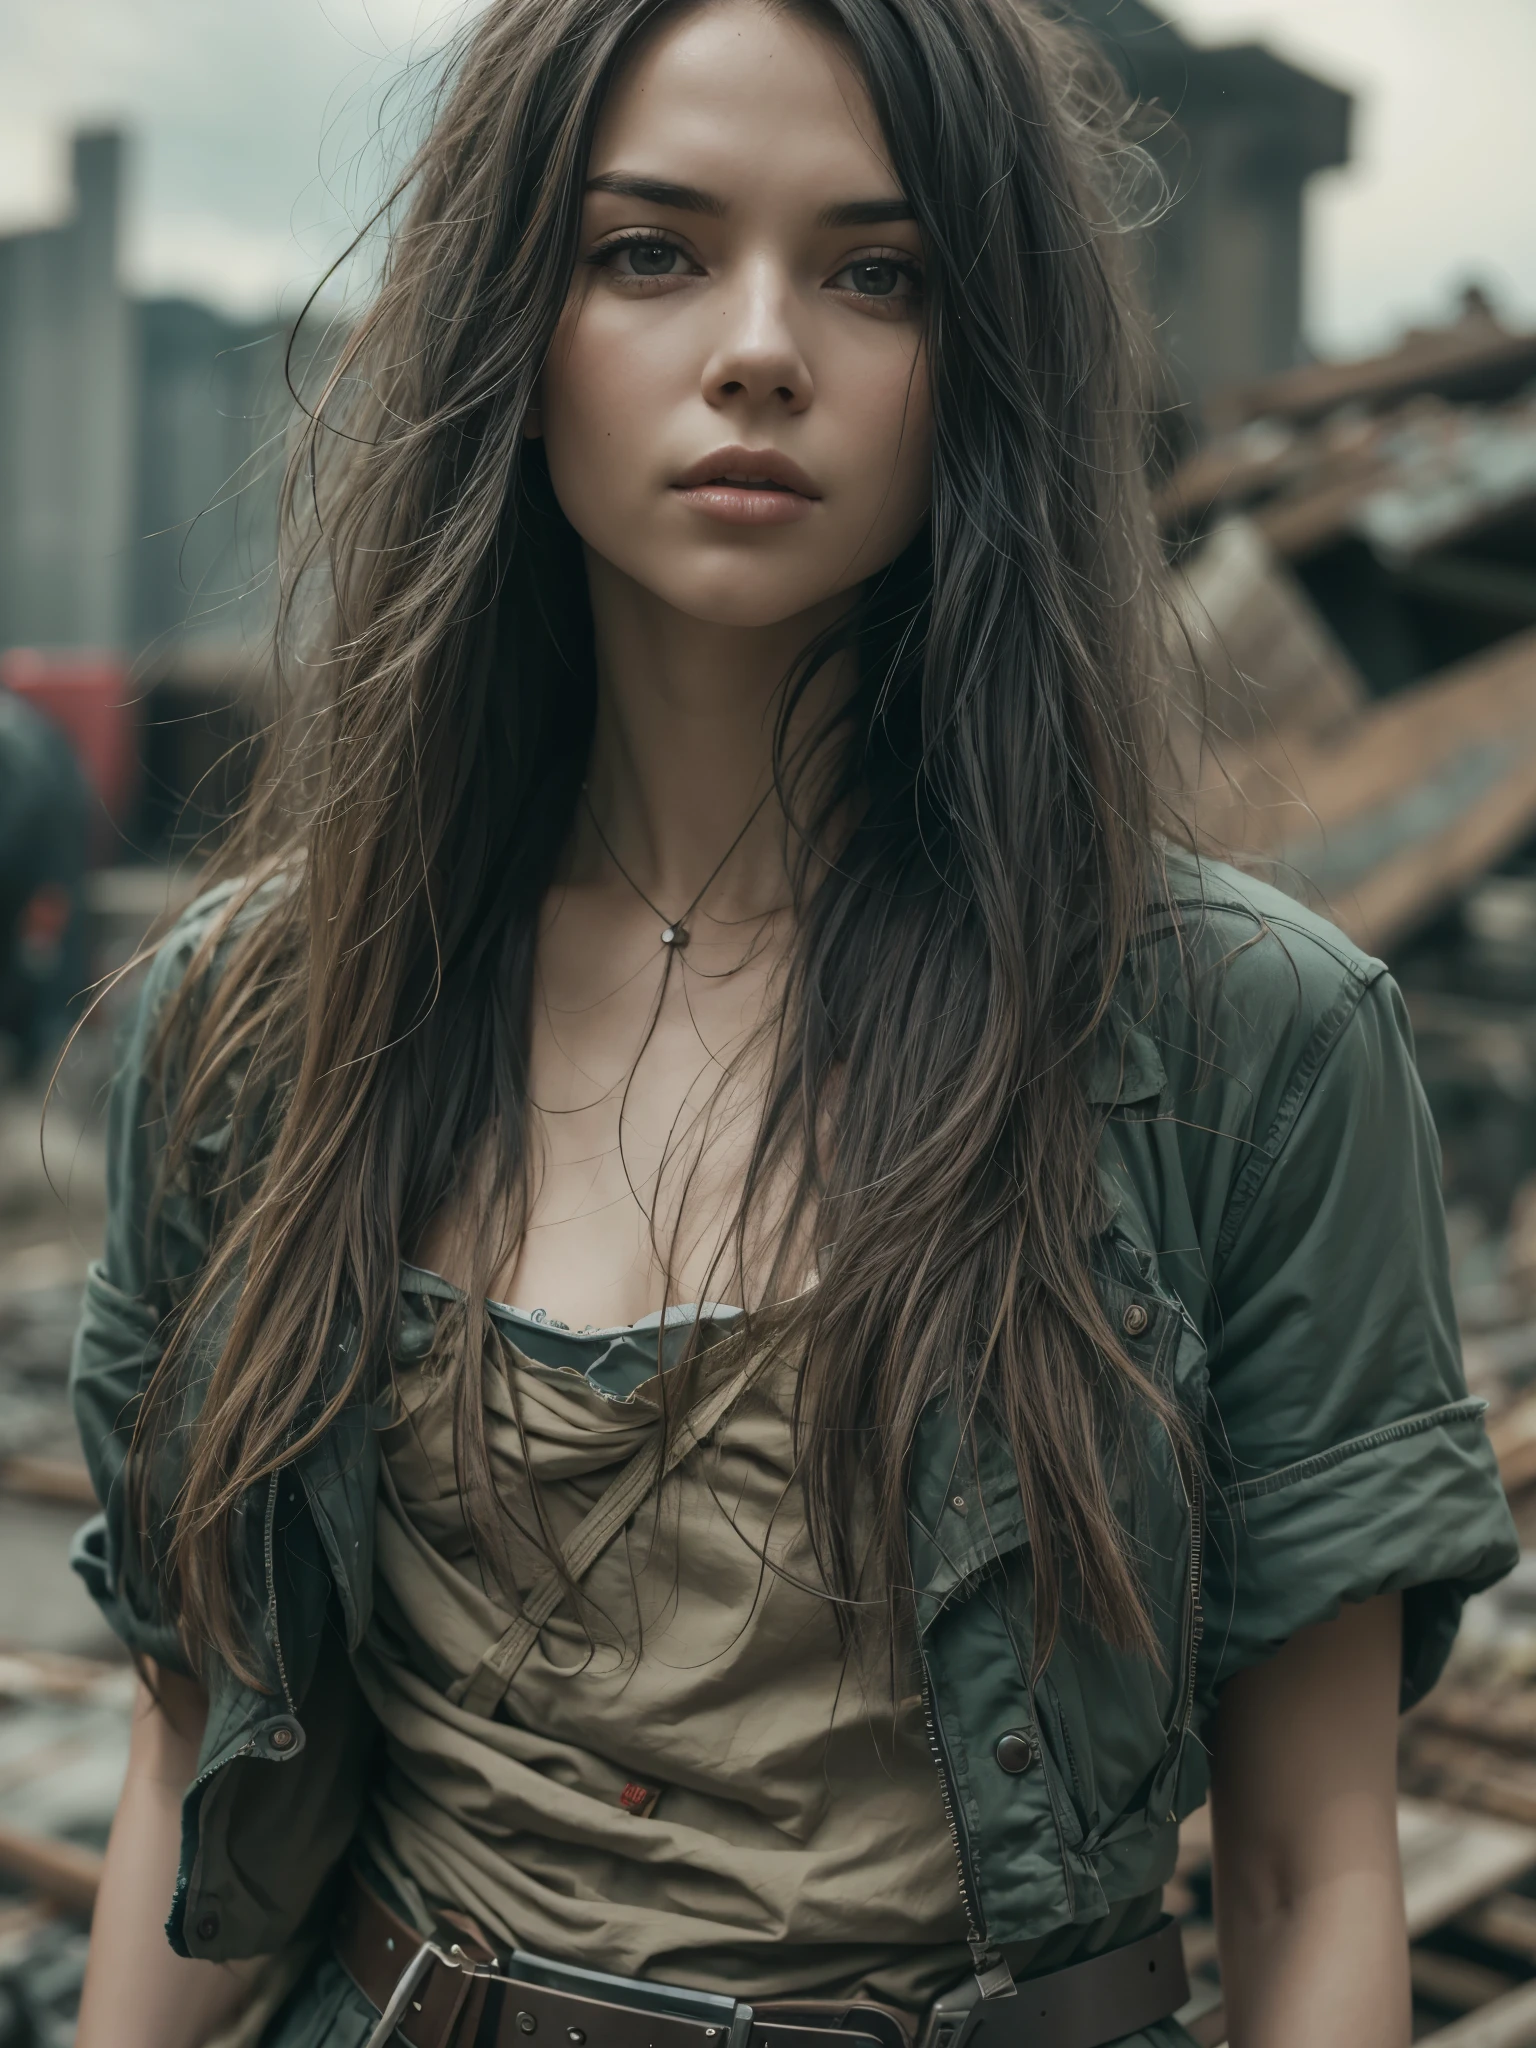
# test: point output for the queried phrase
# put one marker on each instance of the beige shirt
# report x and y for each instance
(797, 1839)
(796, 1842)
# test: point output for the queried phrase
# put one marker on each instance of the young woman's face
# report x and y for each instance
(735, 406)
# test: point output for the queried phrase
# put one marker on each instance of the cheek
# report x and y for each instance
(597, 394)
(889, 424)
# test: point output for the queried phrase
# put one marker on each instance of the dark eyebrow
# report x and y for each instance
(850, 213)
(657, 192)
(866, 213)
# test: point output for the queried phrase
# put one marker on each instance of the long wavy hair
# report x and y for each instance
(365, 1037)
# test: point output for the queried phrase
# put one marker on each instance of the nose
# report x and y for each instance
(757, 360)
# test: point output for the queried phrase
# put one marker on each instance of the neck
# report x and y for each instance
(682, 749)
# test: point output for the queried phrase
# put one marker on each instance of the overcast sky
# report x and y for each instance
(261, 125)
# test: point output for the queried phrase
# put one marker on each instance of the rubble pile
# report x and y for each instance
(63, 1750)
(1356, 563)
(65, 1688)
(1359, 592)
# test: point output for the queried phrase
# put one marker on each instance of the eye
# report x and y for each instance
(648, 259)
(642, 255)
(894, 281)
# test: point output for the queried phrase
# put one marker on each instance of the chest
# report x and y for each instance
(647, 1076)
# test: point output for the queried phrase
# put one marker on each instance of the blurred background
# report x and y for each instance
(1344, 274)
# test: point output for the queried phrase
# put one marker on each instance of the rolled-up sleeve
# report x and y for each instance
(1348, 1458)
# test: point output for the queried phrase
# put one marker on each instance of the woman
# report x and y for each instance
(741, 1320)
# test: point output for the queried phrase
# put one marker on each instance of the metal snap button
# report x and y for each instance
(281, 1738)
(576, 2035)
(526, 2023)
(1135, 1320)
(1015, 1751)
(207, 1927)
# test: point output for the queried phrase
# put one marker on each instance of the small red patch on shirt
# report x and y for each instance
(639, 1799)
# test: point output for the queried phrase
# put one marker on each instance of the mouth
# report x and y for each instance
(748, 487)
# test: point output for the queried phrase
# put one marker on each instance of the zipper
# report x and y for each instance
(1196, 1614)
(983, 1955)
(1196, 1575)
(183, 1886)
(272, 1628)
(1196, 1617)
(247, 1748)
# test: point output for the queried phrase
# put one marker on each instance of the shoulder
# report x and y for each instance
(1220, 937)
(195, 950)
(1249, 1031)
(1247, 993)
(162, 1019)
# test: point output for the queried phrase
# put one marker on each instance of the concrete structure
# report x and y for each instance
(136, 503)
(211, 403)
(1244, 132)
(68, 381)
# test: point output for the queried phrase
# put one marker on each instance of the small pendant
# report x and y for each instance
(676, 936)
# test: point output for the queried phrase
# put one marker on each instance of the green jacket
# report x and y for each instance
(1276, 1255)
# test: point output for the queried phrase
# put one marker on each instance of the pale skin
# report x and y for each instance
(786, 324)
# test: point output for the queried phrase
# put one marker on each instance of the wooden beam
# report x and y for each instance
(1466, 1772)
(1415, 799)
(27, 1674)
(62, 1871)
(1452, 1858)
(1506, 1921)
(1470, 358)
(1510, 2022)
(1455, 1983)
(1513, 1436)
(54, 1479)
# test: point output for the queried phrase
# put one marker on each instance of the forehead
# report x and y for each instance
(737, 94)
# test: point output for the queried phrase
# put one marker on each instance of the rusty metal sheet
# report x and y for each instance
(1476, 357)
(1393, 818)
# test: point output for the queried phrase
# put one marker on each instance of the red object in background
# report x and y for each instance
(88, 697)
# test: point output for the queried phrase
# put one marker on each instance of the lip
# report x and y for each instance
(748, 487)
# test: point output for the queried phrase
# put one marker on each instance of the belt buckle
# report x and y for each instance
(953, 2016)
(452, 1958)
(727, 2021)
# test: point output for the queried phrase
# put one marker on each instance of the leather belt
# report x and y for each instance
(456, 1992)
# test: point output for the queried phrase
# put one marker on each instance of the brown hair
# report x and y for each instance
(366, 1034)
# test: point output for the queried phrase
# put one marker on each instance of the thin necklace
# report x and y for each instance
(674, 930)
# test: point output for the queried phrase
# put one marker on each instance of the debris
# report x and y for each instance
(1476, 357)
(1419, 479)
(47, 1675)
(59, 1871)
(1269, 662)
(1357, 563)
(1386, 813)
(61, 1479)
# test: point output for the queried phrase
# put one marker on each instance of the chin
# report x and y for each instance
(736, 596)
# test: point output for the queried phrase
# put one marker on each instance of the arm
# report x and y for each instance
(1309, 1894)
(138, 1992)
